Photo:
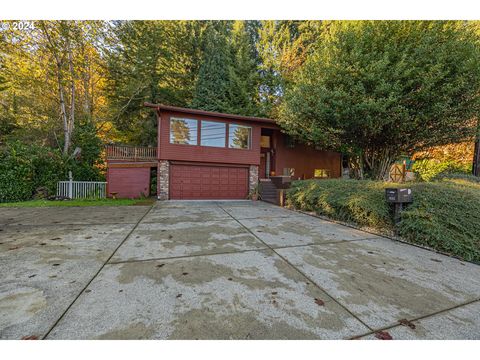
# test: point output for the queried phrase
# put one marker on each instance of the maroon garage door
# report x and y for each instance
(208, 182)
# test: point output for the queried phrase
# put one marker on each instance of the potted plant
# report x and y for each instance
(254, 193)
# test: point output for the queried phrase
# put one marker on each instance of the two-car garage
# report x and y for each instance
(189, 181)
(206, 181)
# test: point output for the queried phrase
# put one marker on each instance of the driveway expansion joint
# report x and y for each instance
(391, 326)
(299, 271)
(96, 274)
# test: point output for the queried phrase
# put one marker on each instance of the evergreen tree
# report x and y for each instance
(244, 76)
(212, 88)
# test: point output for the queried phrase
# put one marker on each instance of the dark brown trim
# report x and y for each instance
(208, 164)
(160, 107)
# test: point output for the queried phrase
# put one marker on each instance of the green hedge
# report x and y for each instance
(25, 168)
(429, 169)
(445, 214)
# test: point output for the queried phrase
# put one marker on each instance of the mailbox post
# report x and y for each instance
(398, 197)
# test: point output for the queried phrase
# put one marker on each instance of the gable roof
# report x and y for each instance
(160, 107)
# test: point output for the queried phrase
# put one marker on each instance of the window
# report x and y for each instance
(183, 131)
(289, 171)
(265, 141)
(321, 173)
(239, 136)
(213, 134)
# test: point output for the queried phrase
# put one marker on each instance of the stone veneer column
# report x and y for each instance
(163, 177)
(252, 177)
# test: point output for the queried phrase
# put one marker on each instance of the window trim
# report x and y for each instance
(199, 133)
(197, 140)
(226, 134)
(249, 147)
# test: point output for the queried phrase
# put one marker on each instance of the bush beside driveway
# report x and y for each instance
(445, 214)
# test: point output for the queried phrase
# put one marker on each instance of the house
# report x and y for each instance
(209, 155)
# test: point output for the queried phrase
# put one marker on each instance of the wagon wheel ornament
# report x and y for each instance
(396, 173)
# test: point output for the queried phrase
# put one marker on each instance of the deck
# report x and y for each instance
(131, 153)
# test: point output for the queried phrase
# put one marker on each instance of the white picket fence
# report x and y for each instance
(82, 189)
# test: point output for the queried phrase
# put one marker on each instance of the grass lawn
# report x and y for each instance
(100, 202)
(444, 215)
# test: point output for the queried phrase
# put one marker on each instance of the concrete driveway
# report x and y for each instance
(221, 270)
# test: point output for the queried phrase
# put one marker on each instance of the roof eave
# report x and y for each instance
(160, 107)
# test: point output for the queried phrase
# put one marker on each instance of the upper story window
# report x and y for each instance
(239, 136)
(213, 133)
(183, 131)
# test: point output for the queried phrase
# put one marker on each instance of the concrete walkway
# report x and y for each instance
(221, 270)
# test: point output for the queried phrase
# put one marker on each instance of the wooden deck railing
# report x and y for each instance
(132, 153)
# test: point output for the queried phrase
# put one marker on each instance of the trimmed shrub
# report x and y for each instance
(16, 173)
(25, 168)
(445, 215)
(428, 169)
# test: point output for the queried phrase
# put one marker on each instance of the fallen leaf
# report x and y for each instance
(406, 322)
(319, 302)
(383, 335)
(31, 337)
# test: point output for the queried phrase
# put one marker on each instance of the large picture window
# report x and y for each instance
(183, 131)
(213, 133)
(239, 137)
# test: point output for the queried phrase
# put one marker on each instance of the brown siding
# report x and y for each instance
(129, 182)
(167, 151)
(304, 159)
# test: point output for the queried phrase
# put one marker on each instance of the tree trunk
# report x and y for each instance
(71, 124)
(476, 159)
(67, 129)
(476, 153)
(378, 163)
(355, 163)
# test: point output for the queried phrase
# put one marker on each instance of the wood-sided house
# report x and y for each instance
(209, 155)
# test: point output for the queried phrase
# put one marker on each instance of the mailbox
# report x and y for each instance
(400, 196)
